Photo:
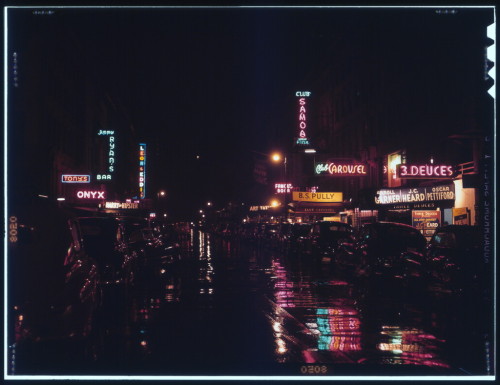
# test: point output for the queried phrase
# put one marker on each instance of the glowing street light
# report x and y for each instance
(275, 203)
(276, 157)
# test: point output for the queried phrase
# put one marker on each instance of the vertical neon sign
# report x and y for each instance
(142, 170)
(302, 138)
(111, 154)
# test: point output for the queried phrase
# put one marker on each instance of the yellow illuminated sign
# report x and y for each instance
(317, 196)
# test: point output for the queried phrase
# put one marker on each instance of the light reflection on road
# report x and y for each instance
(319, 319)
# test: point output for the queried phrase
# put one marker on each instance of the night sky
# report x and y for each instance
(217, 83)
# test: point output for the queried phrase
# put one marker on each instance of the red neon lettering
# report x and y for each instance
(302, 101)
(421, 170)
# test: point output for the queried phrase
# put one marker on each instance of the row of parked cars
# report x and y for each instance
(60, 264)
(452, 258)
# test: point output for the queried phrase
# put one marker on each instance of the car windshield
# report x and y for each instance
(402, 237)
(301, 230)
(99, 235)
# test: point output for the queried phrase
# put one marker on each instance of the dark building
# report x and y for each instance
(57, 112)
(413, 91)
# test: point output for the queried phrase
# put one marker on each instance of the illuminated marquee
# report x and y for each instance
(418, 194)
(122, 205)
(340, 169)
(111, 154)
(75, 179)
(302, 138)
(86, 194)
(426, 171)
(142, 170)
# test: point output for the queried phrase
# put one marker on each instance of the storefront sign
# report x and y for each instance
(426, 171)
(302, 118)
(121, 205)
(86, 194)
(418, 194)
(461, 216)
(282, 188)
(317, 196)
(340, 169)
(427, 221)
(75, 178)
(317, 210)
(259, 208)
(142, 170)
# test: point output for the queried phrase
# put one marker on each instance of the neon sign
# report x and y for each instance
(142, 170)
(282, 188)
(75, 178)
(86, 194)
(111, 153)
(426, 171)
(340, 169)
(302, 95)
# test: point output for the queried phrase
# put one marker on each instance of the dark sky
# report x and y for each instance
(215, 82)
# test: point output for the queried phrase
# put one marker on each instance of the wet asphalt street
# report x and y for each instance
(232, 308)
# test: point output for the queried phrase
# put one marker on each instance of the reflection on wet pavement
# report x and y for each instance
(249, 306)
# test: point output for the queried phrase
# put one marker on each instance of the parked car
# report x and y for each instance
(324, 239)
(454, 257)
(270, 235)
(290, 234)
(390, 250)
(53, 284)
(103, 239)
(152, 248)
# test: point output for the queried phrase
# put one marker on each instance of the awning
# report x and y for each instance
(317, 208)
